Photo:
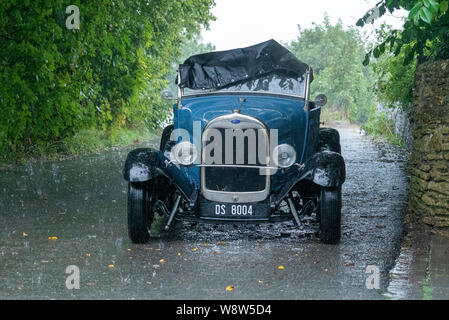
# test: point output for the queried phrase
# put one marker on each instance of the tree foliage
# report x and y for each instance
(192, 46)
(425, 33)
(336, 55)
(55, 81)
(394, 78)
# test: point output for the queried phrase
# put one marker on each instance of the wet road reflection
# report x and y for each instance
(73, 212)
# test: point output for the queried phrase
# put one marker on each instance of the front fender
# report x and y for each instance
(145, 164)
(326, 169)
(141, 164)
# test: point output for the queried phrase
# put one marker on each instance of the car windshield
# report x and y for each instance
(272, 83)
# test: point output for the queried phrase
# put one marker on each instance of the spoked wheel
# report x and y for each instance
(140, 215)
(329, 215)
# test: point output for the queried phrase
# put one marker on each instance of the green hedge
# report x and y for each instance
(109, 73)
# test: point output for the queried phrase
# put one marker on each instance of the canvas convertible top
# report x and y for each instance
(220, 69)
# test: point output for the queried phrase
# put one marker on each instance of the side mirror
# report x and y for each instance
(320, 100)
(167, 95)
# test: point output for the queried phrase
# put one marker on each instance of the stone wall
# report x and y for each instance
(429, 185)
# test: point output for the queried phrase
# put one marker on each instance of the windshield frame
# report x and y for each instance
(249, 92)
(306, 93)
(242, 93)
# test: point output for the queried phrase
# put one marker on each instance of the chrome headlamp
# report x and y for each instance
(184, 153)
(284, 155)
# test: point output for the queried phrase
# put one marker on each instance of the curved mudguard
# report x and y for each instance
(325, 168)
(145, 164)
(141, 164)
(329, 139)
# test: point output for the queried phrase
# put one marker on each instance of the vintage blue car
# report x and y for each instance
(245, 146)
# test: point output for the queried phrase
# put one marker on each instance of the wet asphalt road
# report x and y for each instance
(82, 202)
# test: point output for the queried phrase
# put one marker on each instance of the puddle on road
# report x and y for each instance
(399, 287)
(83, 202)
(409, 275)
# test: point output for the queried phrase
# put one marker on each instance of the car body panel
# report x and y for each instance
(296, 126)
(286, 114)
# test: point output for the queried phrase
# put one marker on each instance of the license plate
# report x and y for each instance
(234, 210)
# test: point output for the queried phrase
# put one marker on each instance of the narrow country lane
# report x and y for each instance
(73, 212)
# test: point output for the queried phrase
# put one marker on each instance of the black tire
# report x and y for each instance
(330, 215)
(140, 215)
(329, 139)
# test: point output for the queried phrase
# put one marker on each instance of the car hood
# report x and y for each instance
(286, 114)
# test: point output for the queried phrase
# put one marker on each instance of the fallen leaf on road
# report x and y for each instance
(179, 253)
(162, 261)
(114, 201)
(260, 281)
(205, 244)
(229, 288)
(52, 238)
(111, 266)
(280, 267)
(25, 234)
(349, 264)
(194, 249)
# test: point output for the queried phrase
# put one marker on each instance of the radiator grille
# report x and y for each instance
(244, 178)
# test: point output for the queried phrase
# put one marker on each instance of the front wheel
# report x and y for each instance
(330, 215)
(140, 215)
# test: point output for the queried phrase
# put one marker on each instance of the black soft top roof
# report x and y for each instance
(223, 68)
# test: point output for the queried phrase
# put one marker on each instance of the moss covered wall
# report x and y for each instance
(429, 185)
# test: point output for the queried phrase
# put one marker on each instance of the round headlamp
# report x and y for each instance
(284, 155)
(184, 153)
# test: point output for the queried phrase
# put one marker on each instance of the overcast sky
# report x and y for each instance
(241, 23)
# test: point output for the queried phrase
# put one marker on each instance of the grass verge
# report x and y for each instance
(381, 127)
(84, 142)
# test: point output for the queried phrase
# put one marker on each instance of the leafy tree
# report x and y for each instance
(190, 47)
(109, 73)
(394, 78)
(425, 33)
(336, 55)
